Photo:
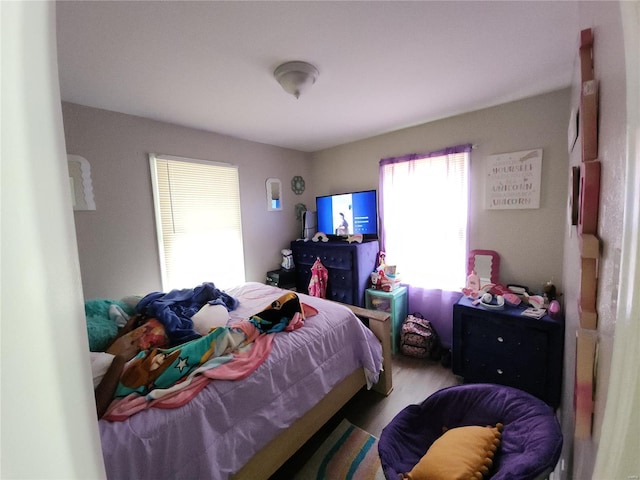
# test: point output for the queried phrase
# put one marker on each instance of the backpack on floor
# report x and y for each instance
(419, 339)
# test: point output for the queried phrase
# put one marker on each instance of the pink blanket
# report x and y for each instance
(241, 366)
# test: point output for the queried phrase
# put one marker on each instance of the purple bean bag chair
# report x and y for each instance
(531, 437)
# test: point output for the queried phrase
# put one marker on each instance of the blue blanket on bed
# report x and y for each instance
(175, 309)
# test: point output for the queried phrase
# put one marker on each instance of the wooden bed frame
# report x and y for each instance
(271, 457)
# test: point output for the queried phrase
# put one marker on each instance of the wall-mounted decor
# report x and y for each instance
(513, 180)
(589, 197)
(274, 194)
(586, 55)
(80, 183)
(589, 187)
(589, 254)
(585, 378)
(588, 98)
(297, 185)
(574, 129)
(589, 120)
(574, 195)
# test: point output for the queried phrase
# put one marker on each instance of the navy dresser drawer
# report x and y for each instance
(505, 347)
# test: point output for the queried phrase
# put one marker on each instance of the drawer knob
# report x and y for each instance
(500, 372)
(500, 339)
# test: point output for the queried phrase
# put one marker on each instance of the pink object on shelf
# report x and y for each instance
(511, 299)
(536, 301)
(473, 281)
(554, 308)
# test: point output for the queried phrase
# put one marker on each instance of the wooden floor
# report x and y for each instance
(413, 381)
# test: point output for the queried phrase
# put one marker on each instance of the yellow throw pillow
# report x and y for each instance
(462, 453)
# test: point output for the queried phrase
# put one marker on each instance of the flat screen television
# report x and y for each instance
(350, 213)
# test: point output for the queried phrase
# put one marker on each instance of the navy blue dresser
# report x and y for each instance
(505, 347)
(349, 266)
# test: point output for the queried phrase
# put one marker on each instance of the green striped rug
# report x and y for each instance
(349, 453)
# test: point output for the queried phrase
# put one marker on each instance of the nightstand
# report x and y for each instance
(506, 347)
(395, 304)
(282, 278)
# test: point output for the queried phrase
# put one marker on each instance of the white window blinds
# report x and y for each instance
(197, 206)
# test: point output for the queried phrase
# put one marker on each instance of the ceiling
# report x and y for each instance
(384, 65)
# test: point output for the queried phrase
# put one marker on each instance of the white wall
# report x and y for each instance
(529, 241)
(48, 419)
(117, 242)
(617, 391)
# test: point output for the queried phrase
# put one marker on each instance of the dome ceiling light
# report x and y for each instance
(296, 77)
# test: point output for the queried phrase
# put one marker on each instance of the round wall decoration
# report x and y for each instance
(297, 184)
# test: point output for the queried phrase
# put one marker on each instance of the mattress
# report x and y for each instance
(220, 429)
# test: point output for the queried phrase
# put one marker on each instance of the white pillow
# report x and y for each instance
(100, 363)
(210, 316)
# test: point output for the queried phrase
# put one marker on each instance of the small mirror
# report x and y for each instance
(274, 194)
(486, 264)
(80, 183)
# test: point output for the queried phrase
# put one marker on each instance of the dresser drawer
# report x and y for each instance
(331, 258)
(506, 340)
(531, 378)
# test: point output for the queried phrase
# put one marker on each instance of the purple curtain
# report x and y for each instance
(437, 307)
(434, 304)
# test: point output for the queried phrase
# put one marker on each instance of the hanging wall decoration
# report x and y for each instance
(574, 195)
(586, 360)
(274, 194)
(584, 382)
(80, 183)
(513, 180)
(589, 190)
(297, 185)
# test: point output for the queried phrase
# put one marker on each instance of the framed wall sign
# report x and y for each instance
(513, 180)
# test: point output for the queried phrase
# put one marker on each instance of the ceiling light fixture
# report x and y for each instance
(296, 77)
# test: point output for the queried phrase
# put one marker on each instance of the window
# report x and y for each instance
(423, 212)
(197, 205)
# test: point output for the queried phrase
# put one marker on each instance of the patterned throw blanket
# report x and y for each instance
(169, 378)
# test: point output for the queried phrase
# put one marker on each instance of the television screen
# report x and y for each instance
(348, 214)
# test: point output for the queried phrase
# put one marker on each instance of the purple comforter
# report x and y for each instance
(218, 431)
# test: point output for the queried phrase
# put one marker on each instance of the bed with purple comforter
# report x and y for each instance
(229, 421)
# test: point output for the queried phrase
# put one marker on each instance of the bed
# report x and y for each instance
(246, 429)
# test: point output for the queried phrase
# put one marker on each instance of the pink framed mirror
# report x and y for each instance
(486, 264)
